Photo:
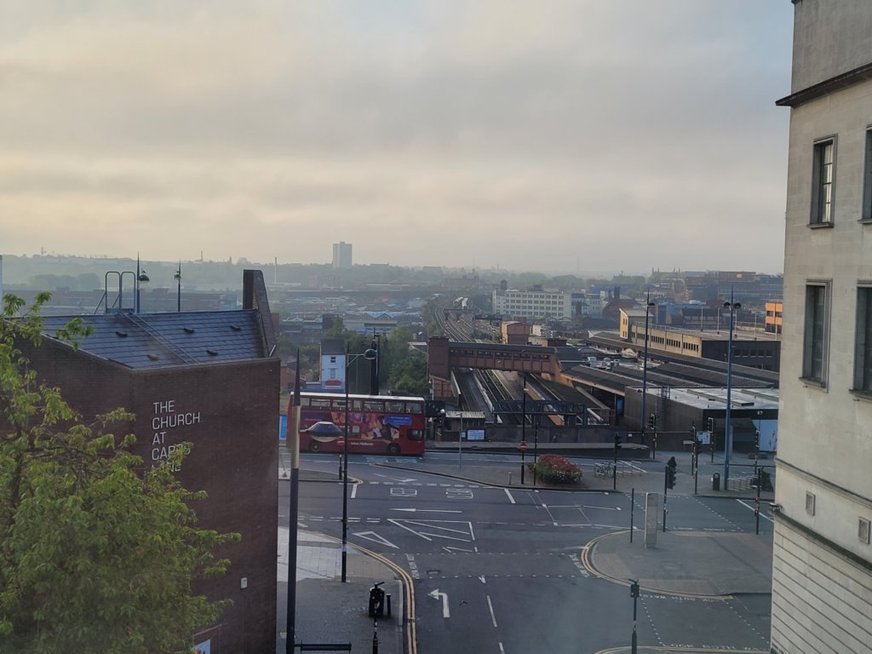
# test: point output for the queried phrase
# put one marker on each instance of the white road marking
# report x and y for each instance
(402, 491)
(375, 538)
(502, 650)
(511, 499)
(481, 579)
(436, 595)
(490, 607)
(762, 515)
(429, 510)
(354, 491)
(438, 529)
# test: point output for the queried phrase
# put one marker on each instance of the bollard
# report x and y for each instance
(388, 605)
(375, 637)
(510, 479)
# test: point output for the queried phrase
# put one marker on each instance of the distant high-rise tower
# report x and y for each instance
(342, 255)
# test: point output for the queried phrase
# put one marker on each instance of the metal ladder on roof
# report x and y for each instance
(148, 329)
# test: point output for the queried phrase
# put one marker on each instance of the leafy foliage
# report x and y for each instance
(555, 469)
(97, 551)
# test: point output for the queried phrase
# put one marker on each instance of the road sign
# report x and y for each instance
(523, 445)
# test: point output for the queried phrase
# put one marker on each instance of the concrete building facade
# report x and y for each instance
(822, 560)
(511, 303)
(342, 255)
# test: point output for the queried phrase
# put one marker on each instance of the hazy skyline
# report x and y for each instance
(597, 135)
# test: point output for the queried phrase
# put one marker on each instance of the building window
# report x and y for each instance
(863, 340)
(816, 332)
(822, 183)
(867, 179)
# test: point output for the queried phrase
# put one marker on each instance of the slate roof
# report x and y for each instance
(160, 340)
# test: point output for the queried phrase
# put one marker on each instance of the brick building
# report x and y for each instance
(208, 378)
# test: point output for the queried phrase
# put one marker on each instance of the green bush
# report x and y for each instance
(555, 469)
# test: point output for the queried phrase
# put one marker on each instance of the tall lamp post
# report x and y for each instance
(349, 358)
(523, 425)
(178, 277)
(293, 443)
(139, 279)
(644, 415)
(728, 431)
(460, 433)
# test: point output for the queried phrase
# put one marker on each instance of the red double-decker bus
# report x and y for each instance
(377, 424)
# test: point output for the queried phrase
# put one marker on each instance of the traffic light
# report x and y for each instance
(652, 421)
(634, 588)
(710, 424)
(670, 477)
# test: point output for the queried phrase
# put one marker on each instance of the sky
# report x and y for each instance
(585, 136)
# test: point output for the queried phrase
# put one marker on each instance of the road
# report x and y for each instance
(498, 570)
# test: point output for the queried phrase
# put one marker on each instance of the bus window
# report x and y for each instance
(320, 402)
(413, 407)
(373, 405)
(394, 407)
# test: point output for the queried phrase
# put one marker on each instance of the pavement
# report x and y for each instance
(679, 564)
(330, 612)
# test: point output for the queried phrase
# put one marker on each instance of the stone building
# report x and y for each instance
(822, 561)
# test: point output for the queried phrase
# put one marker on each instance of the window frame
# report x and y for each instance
(818, 184)
(812, 320)
(863, 339)
(866, 209)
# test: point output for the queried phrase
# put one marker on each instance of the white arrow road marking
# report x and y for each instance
(481, 579)
(407, 480)
(436, 595)
(375, 538)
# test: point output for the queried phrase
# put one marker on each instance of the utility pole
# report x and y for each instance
(634, 593)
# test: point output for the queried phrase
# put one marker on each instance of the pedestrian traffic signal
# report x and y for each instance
(670, 477)
(652, 421)
(710, 424)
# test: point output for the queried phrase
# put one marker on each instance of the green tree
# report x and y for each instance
(98, 552)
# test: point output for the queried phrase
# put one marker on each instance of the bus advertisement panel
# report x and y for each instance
(377, 424)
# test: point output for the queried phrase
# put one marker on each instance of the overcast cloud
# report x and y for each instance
(591, 135)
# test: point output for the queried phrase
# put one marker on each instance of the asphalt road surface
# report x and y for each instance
(498, 570)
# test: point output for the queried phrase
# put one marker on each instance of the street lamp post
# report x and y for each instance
(728, 431)
(643, 415)
(536, 418)
(349, 358)
(634, 593)
(178, 277)
(140, 278)
(293, 443)
(523, 426)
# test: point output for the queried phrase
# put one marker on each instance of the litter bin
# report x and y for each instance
(716, 482)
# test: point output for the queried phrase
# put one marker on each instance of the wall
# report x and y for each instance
(229, 412)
